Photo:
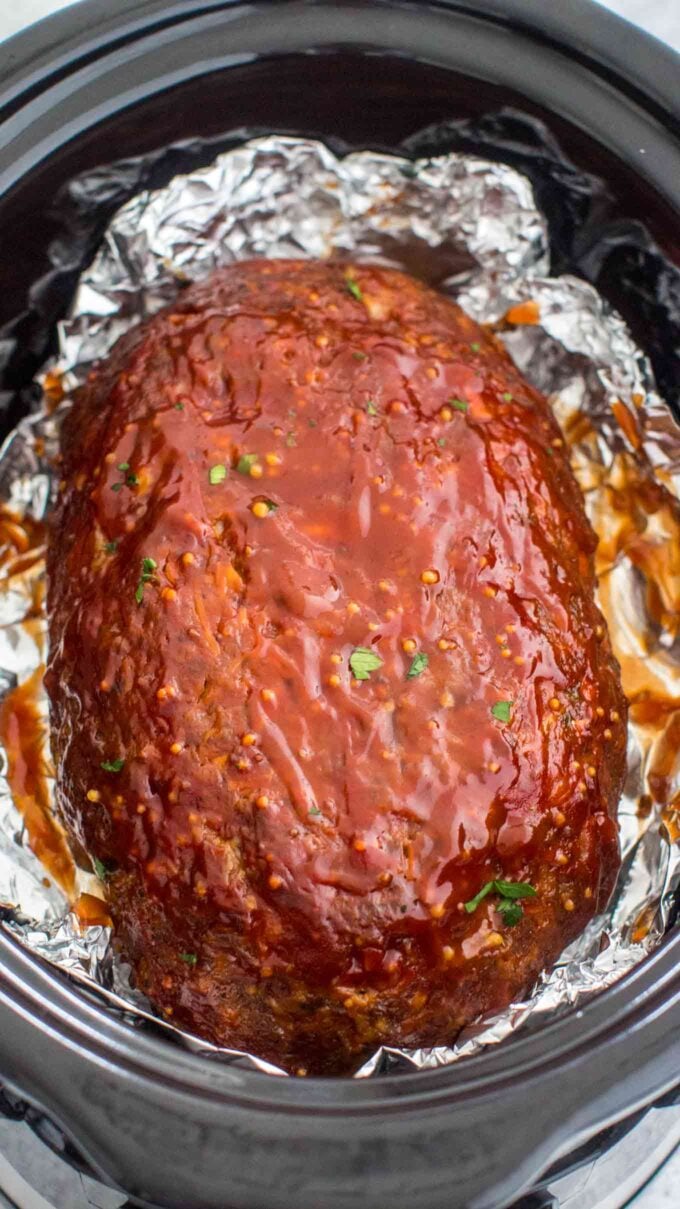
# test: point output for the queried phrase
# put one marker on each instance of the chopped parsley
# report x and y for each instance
(473, 903)
(502, 710)
(363, 661)
(112, 765)
(508, 892)
(514, 889)
(189, 959)
(418, 665)
(146, 574)
(217, 474)
(371, 408)
(314, 811)
(506, 396)
(511, 912)
(358, 356)
(243, 465)
(271, 506)
(129, 479)
(475, 347)
(459, 404)
(111, 547)
(441, 441)
(354, 288)
(291, 440)
(312, 423)
(102, 869)
(179, 407)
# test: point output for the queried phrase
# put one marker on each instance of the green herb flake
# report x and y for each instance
(371, 408)
(359, 356)
(441, 441)
(549, 452)
(514, 889)
(506, 396)
(502, 710)
(189, 959)
(354, 288)
(146, 574)
(511, 913)
(291, 440)
(473, 904)
(111, 547)
(179, 407)
(112, 765)
(217, 474)
(314, 812)
(459, 404)
(475, 347)
(312, 423)
(418, 665)
(272, 507)
(101, 869)
(243, 465)
(363, 661)
(129, 479)
(509, 893)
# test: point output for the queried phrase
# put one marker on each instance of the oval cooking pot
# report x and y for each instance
(99, 82)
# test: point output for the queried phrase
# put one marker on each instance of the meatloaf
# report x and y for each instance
(334, 713)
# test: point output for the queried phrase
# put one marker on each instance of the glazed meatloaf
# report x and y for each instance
(334, 713)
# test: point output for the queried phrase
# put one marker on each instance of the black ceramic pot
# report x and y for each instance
(104, 81)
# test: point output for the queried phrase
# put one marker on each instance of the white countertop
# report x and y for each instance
(658, 17)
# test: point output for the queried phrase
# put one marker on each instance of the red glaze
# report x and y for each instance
(307, 837)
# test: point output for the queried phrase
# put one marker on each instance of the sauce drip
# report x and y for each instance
(22, 729)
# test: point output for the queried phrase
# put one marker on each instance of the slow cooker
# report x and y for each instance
(162, 1125)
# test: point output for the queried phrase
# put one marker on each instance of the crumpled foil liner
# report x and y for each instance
(472, 228)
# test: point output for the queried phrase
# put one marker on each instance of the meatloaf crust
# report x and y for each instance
(325, 663)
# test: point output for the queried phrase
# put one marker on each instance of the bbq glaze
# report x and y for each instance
(293, 462)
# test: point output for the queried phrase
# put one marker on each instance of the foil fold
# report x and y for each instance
(471, 228)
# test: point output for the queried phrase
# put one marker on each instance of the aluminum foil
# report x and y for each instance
(471, 228)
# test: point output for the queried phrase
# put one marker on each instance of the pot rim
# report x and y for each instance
(48, 62)
(593, 32)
